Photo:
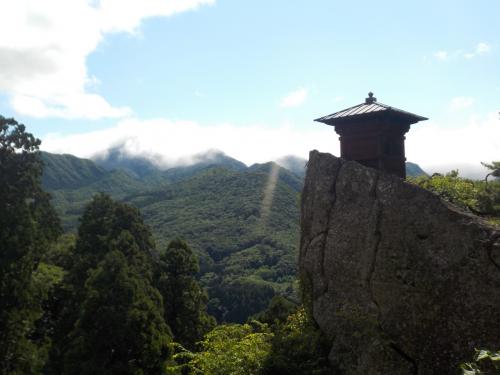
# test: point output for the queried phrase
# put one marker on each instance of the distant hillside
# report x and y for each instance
(68, 171)
(117, 158)
(141, 166)
(414, 170)
(247, 254)
(293, 164)
(285, 175)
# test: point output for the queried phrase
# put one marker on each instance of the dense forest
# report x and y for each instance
(94, 283)
(216, 207)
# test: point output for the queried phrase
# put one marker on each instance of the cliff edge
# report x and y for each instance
(399, 281)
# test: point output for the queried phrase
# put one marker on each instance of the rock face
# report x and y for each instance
(399, 281)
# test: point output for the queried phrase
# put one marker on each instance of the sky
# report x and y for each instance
(179, 77)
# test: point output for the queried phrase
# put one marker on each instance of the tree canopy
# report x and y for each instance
(113, 319)
(27, 225)
(185, 300)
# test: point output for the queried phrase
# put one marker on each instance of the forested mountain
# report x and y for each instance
(141, 166)
(414, 170)
(242, 222)
(247, 250)
(69, 172)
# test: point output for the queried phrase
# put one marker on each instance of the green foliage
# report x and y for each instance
(278, 311)
(102, 223)
(217, 211)
(298, 347)
(463, 192)
(68, 171)
(60, 252)
(111, 319)
(485, 362)
(234, 299)
(185, 300)
(478, 197)
(27, 225)
(293, 345)
(228, 349)
(120, 329)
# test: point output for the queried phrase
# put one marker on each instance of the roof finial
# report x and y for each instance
(371, 99)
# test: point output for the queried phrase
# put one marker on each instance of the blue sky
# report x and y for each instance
(172, 78)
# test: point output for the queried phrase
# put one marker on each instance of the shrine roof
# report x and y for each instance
(369, 107)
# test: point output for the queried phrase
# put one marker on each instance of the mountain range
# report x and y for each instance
(242, 222)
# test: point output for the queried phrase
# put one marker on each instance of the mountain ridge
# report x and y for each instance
(242, 222)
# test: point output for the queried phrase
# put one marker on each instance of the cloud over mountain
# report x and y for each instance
(168, 142)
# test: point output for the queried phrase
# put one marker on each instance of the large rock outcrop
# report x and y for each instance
(399, 281)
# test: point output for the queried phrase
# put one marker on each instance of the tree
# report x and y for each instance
(494, 167)
(278, 311)
(298, 347)
(121, 328)
(102, 222)
(185, 301)
(27, 224)
(228, 349)
(243, 296)
(112, 319)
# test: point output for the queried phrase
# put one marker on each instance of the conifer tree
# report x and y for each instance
(121, 328)
(185, 301)
(27, 224)
(113, 320)
(102, 222)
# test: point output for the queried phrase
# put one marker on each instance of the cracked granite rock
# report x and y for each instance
(399, 281)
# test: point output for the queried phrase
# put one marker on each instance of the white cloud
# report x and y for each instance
(434, 147)
(481, 48)
(441, 55)
(44, 46)
(126, 15)
(176, 141)
(461, 102)
(294, 99)
(440, 149)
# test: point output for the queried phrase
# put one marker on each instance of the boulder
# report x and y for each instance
(398, 280)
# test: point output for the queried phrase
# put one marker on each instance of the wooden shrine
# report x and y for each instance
(373, 134)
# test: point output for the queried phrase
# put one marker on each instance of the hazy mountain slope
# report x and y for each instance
(70, 202)
(414, 170)
(289, 178)
(143, 166)
(117, 158)
(68, 171)
(246, 243)
(247, 254)
(183, 172)
(294, 164)
(219, 211)
(73, 181)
